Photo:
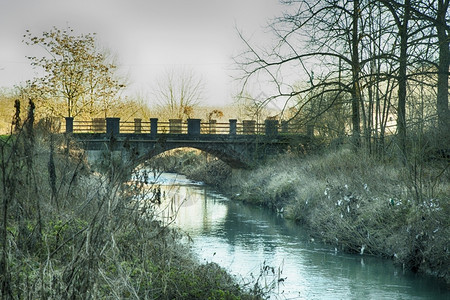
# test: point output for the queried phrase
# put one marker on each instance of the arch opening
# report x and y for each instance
(189, 155)
(196, 164)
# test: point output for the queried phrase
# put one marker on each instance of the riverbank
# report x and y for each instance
(354, 202)
(68, 233)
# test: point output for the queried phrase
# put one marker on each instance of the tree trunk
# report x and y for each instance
(356, 93)
(443, 71)
(402, 79)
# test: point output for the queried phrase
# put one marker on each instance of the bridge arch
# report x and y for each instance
(229, 156)
(238, 146)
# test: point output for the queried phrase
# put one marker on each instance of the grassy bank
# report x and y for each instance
(67, 233)
(357, 203)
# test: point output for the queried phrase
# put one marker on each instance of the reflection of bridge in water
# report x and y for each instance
(238, 144)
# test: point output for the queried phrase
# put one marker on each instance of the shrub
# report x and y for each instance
(74, 234)
(360, 204)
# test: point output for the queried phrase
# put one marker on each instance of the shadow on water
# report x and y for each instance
(245, 238)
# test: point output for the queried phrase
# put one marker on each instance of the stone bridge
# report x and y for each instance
(240, 145)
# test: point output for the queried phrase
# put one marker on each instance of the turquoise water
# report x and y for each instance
(253, 242)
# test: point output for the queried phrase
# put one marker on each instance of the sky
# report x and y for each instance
(148, 37)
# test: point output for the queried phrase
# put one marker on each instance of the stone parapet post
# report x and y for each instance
(193, 126)
(69, 124)
(153, 126)
(271, 127)
(112, 126)
(233, 126)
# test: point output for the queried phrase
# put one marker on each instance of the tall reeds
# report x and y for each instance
(70, 233)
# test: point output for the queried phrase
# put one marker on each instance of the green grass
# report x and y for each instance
(4, 137)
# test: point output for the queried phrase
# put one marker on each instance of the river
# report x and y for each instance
(251, 241)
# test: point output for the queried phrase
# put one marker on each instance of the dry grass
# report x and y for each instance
(351, 200)
(361, 205)
(70, 234)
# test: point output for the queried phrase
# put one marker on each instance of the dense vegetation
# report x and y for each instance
(364, 69)
(351, 200)
(372, 75)
(69, 233)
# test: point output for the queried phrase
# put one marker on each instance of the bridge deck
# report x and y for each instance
(94, 138)
(236, 147)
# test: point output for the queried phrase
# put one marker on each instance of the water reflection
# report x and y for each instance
(244, 238)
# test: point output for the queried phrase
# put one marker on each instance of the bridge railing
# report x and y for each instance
(97, 126)
(174, 126)
(136, 126)
(177, 126)
(212, 127)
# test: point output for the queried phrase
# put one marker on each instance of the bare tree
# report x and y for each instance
(178, 93)
(441, 23)
(401, 13)
(375, 52)
(320, 36)
(435, 15)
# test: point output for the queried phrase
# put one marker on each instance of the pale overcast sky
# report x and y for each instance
(147, 36)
